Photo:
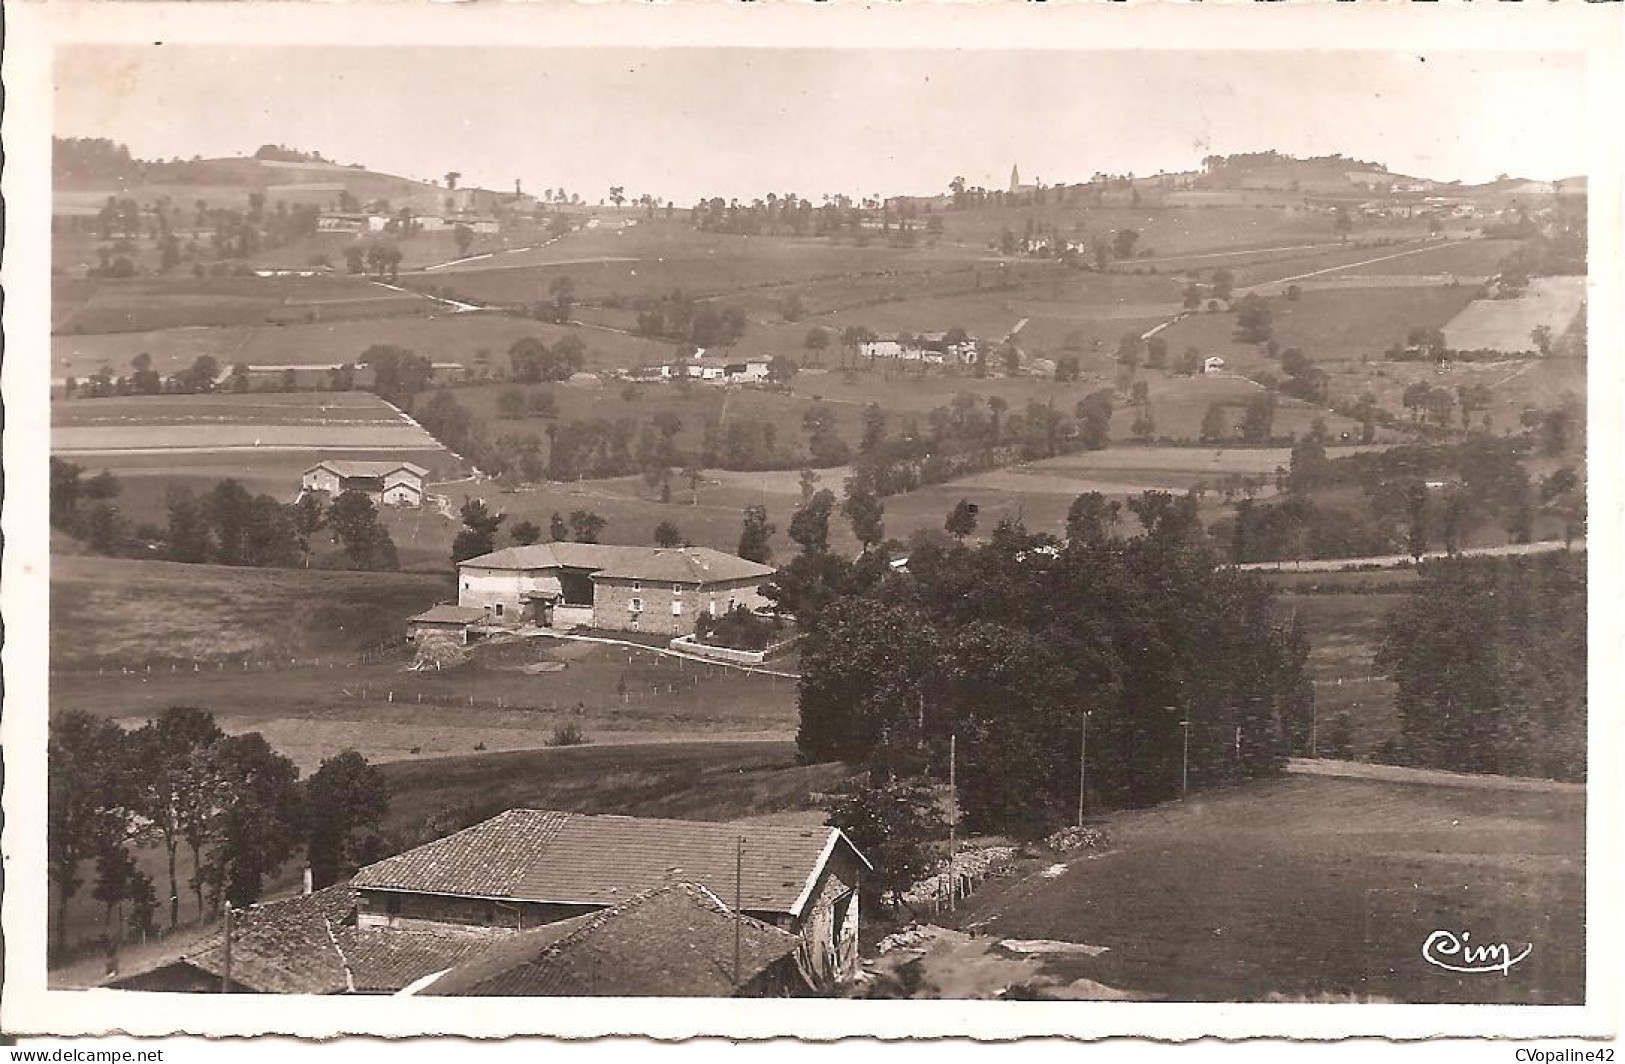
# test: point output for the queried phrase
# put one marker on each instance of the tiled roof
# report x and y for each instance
(671, 941)
(529, 855)
(346, 468)
(284, 947)
(488, 860)
(451, 615)
(686, 565)
(310, 945)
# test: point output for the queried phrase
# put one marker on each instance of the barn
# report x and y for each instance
(386, 483)
(609, 586)
(527, 868)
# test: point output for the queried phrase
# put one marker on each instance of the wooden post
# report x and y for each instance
(1083, 766)
(225, 978)
(739, 903)
(953, 815)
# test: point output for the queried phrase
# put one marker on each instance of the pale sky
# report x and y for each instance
(681, 123)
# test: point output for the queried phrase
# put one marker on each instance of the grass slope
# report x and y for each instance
(1311, 887)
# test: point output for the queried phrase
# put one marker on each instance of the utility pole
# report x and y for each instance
(739, 901)
(1185, 762)
(225, 979)
(1083, 766)
(953, 816)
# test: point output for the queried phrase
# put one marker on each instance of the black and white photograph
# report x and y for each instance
(808, 527)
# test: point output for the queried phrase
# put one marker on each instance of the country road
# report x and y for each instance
(1394, 561)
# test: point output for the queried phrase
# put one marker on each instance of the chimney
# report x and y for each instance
(309, 882)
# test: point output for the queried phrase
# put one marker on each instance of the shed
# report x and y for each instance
(452, 622)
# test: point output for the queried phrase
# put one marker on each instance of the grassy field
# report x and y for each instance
(108, 612)
(443, 337)
(1327, 324)
(334, 421)
(143, 304)
(1507, 324)
(1314, 888)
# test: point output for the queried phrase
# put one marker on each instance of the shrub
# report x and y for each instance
(567, 735)
(738, 629)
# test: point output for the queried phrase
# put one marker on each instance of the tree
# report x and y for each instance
(1066, 369)
(961, 520)
(809, 524)
(345, 802)
(617, 194)
(89, 801)
(586, 526)
(1094, 412)
(525, 533)
(897, 825)
(1223, 283)
(1144, 424)
(1416, 540)
(667, 535)
(188, 537)
(255, 828)
(479, 532)
(464, 237)
(1128, 350)
(1091, 519)
(1156, 352)
(1258, 419)
(865, 512)
(874, 429)
(1215, 425)
(1253, 324)
(170, 789)
(228, 509)
(557, 531)
(354, 521)
(754, 537)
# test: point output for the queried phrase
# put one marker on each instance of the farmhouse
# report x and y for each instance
(386, 483)
(527, 868)
(881, 347)
(620, 588)
(751, 371)
(1212, 364)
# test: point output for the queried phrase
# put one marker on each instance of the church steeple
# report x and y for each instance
(1015, 179)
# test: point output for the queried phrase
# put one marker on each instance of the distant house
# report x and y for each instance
(336, 222)
(528, 868)
(600, 585)
(1212, 364)
(881, 347)
(706, 368)
(675, 940)
(386, 483)
(752, 371)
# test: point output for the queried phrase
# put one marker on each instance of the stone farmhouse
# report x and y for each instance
(386, 483)
(619, 588)
(528, 868)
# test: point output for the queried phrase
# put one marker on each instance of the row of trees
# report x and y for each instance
(1489, 656)
(235, 804)
(481, 527)
(1012, 645)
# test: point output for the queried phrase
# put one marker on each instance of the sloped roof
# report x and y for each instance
(687, 565)
(572, 858)
(488, 860)
(451, 615)
(345, 468)
(309, 944)
(670, 941)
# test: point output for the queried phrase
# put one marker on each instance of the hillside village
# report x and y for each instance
(809, 597)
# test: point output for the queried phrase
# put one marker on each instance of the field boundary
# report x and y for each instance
(1360, 770)
(550, 634)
